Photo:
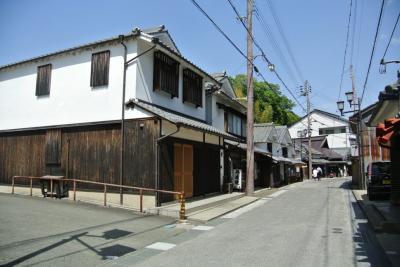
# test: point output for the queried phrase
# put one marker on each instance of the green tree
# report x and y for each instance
(270, 105)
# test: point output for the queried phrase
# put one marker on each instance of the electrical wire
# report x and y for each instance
(372, 53)
(263, 54)
(282, 33)
(271, 38)
(345, 49)
(240, 51)
(391, 36)
(220, 30)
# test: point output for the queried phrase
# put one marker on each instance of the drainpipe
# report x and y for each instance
(136, 32)
(122, 149)
(157, 166)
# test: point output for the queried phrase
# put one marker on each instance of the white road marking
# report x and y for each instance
(245, 209)
(161, 246)
(391, 252)
(278, 193)
(202, 228)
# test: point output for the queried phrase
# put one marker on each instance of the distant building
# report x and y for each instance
(334, 127)
(275, 139)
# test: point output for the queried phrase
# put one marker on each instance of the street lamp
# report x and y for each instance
(350, 96)
(271, 67)
(355, 102)
(340, 105)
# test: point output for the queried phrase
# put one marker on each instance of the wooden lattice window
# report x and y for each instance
(192, 88)
(100, 69)
(43, 80)
(166, 74)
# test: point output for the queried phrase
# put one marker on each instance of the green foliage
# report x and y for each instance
(270, 105)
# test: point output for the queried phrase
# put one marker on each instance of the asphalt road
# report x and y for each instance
(309, 224)
(50, 232)
(305, 224)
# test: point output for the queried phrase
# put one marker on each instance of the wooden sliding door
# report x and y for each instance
(183, 168)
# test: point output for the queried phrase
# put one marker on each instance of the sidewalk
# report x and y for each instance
(200, 210)
(384, 218)
(131, 201)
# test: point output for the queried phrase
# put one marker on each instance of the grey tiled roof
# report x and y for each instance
(113, 38)
(262, 132)
(179, 119)
(244, 147)
(280, 131)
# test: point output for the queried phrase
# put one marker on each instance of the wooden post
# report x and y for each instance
(12, 186)
(105, 195)
(182, 216)
(74, 190)
(51, 187)
(30, 184)
(141, 200)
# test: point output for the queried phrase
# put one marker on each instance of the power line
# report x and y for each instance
(372, 52)
(345, 49)
(280, 28)
(390, 39)
(270, 36)
(240, 51)
(220, 30)
(263, 54)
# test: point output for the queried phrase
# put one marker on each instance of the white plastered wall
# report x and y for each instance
(72, 100)
(144, 86)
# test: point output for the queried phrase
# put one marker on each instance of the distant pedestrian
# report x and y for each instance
(315, 174)
(319, 173)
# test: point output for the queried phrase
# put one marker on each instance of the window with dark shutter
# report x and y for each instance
(192, 88)
(100, 69)
(166, 74)
(43, 80)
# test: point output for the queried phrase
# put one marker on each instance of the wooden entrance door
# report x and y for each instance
(183, 168)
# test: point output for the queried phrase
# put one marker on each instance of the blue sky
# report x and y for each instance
(315, 29)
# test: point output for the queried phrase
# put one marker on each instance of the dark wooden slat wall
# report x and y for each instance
(94, 152)
(22, 154)
(53, 146)
(140, 152)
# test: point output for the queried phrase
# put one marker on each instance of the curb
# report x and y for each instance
(376, 219)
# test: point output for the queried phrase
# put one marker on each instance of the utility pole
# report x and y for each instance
(305, 91)
(358, 131)
(250, 106)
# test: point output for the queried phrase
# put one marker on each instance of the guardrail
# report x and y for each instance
(181, 195)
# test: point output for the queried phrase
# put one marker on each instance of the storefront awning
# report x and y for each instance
(179, 119)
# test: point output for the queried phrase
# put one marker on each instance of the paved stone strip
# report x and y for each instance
(245, 209)
(278, 193)
(161, 246)
(203, 228)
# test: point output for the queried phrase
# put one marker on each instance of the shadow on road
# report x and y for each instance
(106, 253)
